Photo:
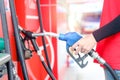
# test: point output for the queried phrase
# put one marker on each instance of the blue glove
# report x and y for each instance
(70, 38)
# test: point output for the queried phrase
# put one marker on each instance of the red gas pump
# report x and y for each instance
(28, 18)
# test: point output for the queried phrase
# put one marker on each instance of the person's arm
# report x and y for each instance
(87, 43)
(108, 29)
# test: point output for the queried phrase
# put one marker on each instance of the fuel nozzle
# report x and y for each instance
(70, 38)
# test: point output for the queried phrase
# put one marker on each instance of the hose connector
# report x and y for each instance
(95, 55)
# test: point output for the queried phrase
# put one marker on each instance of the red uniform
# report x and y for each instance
(109, 47)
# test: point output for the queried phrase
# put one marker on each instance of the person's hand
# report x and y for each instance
(84, 45)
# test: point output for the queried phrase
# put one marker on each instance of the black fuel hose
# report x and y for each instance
(95, 55)
(42, 31)
(42, 59)
(17, 39)
(28, 34)
(111, 71)
(6, 38)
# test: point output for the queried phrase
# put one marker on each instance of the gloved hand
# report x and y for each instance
(70, 38)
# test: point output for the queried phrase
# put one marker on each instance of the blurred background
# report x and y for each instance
(82, 16)
(58, 16)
